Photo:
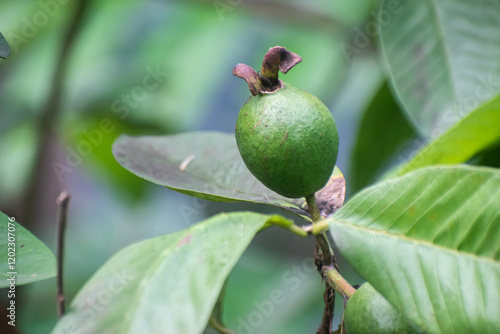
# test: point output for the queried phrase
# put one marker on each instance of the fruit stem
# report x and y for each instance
(312, 206)
(320, 238)
(337, 282)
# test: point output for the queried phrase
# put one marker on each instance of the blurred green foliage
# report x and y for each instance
(160, 67)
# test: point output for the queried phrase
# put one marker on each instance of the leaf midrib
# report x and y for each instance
(440, 29)
(141, 287)
(196, 176)
(150, 273)
(475, 257)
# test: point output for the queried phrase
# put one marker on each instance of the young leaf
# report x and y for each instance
(4, 47)
(443, 57)
(429, 242)
(31, 261)
(168, 284)
(382, 131)
(201, 164)
(474, 133)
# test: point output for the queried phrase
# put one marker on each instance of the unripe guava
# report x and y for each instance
(288, 139)
(367, 311)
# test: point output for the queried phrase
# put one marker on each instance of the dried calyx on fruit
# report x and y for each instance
(287, 137)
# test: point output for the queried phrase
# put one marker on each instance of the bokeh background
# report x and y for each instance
(52, 108)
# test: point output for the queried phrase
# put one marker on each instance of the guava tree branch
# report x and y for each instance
(327, 267)
(63, 203)
(337, 282)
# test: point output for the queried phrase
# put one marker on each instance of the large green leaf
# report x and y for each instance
(168, 284)
(477, 131)
(490, 158)
(213, 169)
(4, 47)
(32, 260)
(443, 57)
(430, 243)
(383, 130)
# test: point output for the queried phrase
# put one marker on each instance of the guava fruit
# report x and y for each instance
(367, 311)
(287, 137)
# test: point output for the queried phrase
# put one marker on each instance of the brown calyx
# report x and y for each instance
(276, 59)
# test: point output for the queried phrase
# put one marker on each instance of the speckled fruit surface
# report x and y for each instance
(288, 140)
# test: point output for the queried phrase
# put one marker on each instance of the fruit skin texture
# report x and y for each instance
(288, 140)
(367, 311)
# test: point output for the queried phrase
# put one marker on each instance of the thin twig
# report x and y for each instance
(328, 312)
(312, 206)
(220, 328)
(327, 267)
(325, 258)
(62, 202)
(320, 238)
(49, 113)
(325, 249)
(216, 317)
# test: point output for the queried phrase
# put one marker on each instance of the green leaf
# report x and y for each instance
(4, 47)
(382, 132)
(476, 132)
(490, 158)
(201, 164)
(31, 261)
(168, 284)
(429, 243)
(443, 57)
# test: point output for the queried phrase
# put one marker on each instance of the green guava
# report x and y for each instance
(367, 311)
(288, 139)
